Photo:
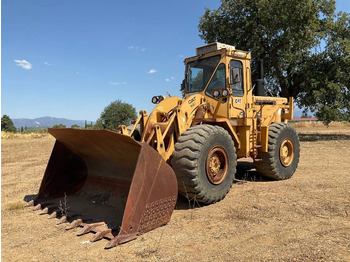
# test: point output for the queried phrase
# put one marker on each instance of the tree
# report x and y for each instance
(115, 114)
(7, 124)
(59, 126)
(305, 115)
(305, 47)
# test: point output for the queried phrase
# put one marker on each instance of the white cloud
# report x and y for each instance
(152, 71)
(46, 63)
(137, 48)
(117, 83)
(169, 79)
(24, 64)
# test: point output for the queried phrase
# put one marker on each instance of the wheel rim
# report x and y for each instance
(287, 152)
(217, 165)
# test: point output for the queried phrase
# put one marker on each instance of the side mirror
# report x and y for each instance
(235, 76)
(182, 85)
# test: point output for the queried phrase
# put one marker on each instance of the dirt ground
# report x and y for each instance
(306, 218)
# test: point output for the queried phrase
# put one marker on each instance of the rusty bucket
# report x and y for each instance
(108, 184)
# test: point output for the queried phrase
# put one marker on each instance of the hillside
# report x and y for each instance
(46, 121)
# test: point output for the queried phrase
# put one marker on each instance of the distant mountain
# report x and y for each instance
(46, 121)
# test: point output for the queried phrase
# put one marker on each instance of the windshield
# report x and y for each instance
(199, 73)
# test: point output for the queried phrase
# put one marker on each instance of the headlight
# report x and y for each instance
(216, 93)
(224, 93)
(155, 100)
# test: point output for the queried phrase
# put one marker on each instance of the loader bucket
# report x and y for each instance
(108, 184)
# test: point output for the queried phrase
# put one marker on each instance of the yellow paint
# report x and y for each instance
(246, 118)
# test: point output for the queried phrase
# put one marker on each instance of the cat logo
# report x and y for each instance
(191, 101)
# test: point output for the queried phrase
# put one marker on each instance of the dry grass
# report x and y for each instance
(15, 205)
(318, 124)
(320, 128)
(305, 218)
(9, 135)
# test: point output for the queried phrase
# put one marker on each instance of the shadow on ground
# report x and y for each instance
(28, 198)
(246, 172)
(322, 137)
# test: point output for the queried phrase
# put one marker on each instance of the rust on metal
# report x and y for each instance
(217, 165)
(90, 227)
(101, 234)
(107, 183)
(74, 224)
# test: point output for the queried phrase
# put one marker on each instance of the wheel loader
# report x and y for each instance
(122, 184)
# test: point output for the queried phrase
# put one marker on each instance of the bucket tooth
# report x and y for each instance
(74, 224)
(111, 243)
(101, 234)
(62, 220)
(53, 215)
(37, 207)
(30, 203)
(44, 211)
(120, 239)
(90, 227)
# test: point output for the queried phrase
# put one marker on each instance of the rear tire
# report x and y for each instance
(282, 158)
(204, 161)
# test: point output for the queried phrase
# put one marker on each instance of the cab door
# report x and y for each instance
(237, 101)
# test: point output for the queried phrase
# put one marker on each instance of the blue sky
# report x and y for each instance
(71, 59)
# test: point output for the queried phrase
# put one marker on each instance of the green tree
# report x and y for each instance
(305, 47)
(115, 114)
(59, 126)
(7, 124)
(305, 115)
(98, 124)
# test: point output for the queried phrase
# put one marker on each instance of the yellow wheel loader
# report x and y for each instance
(121, 185)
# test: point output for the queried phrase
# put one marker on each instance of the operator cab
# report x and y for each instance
(208, 70)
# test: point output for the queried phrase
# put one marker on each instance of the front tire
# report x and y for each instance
(282, 157)
(204, 161)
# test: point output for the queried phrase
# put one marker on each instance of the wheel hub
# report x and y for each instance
(286, 152)
(217, 165)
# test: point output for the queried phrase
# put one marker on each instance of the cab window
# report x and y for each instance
(199, 72)
(236, 78)
(218, 80)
